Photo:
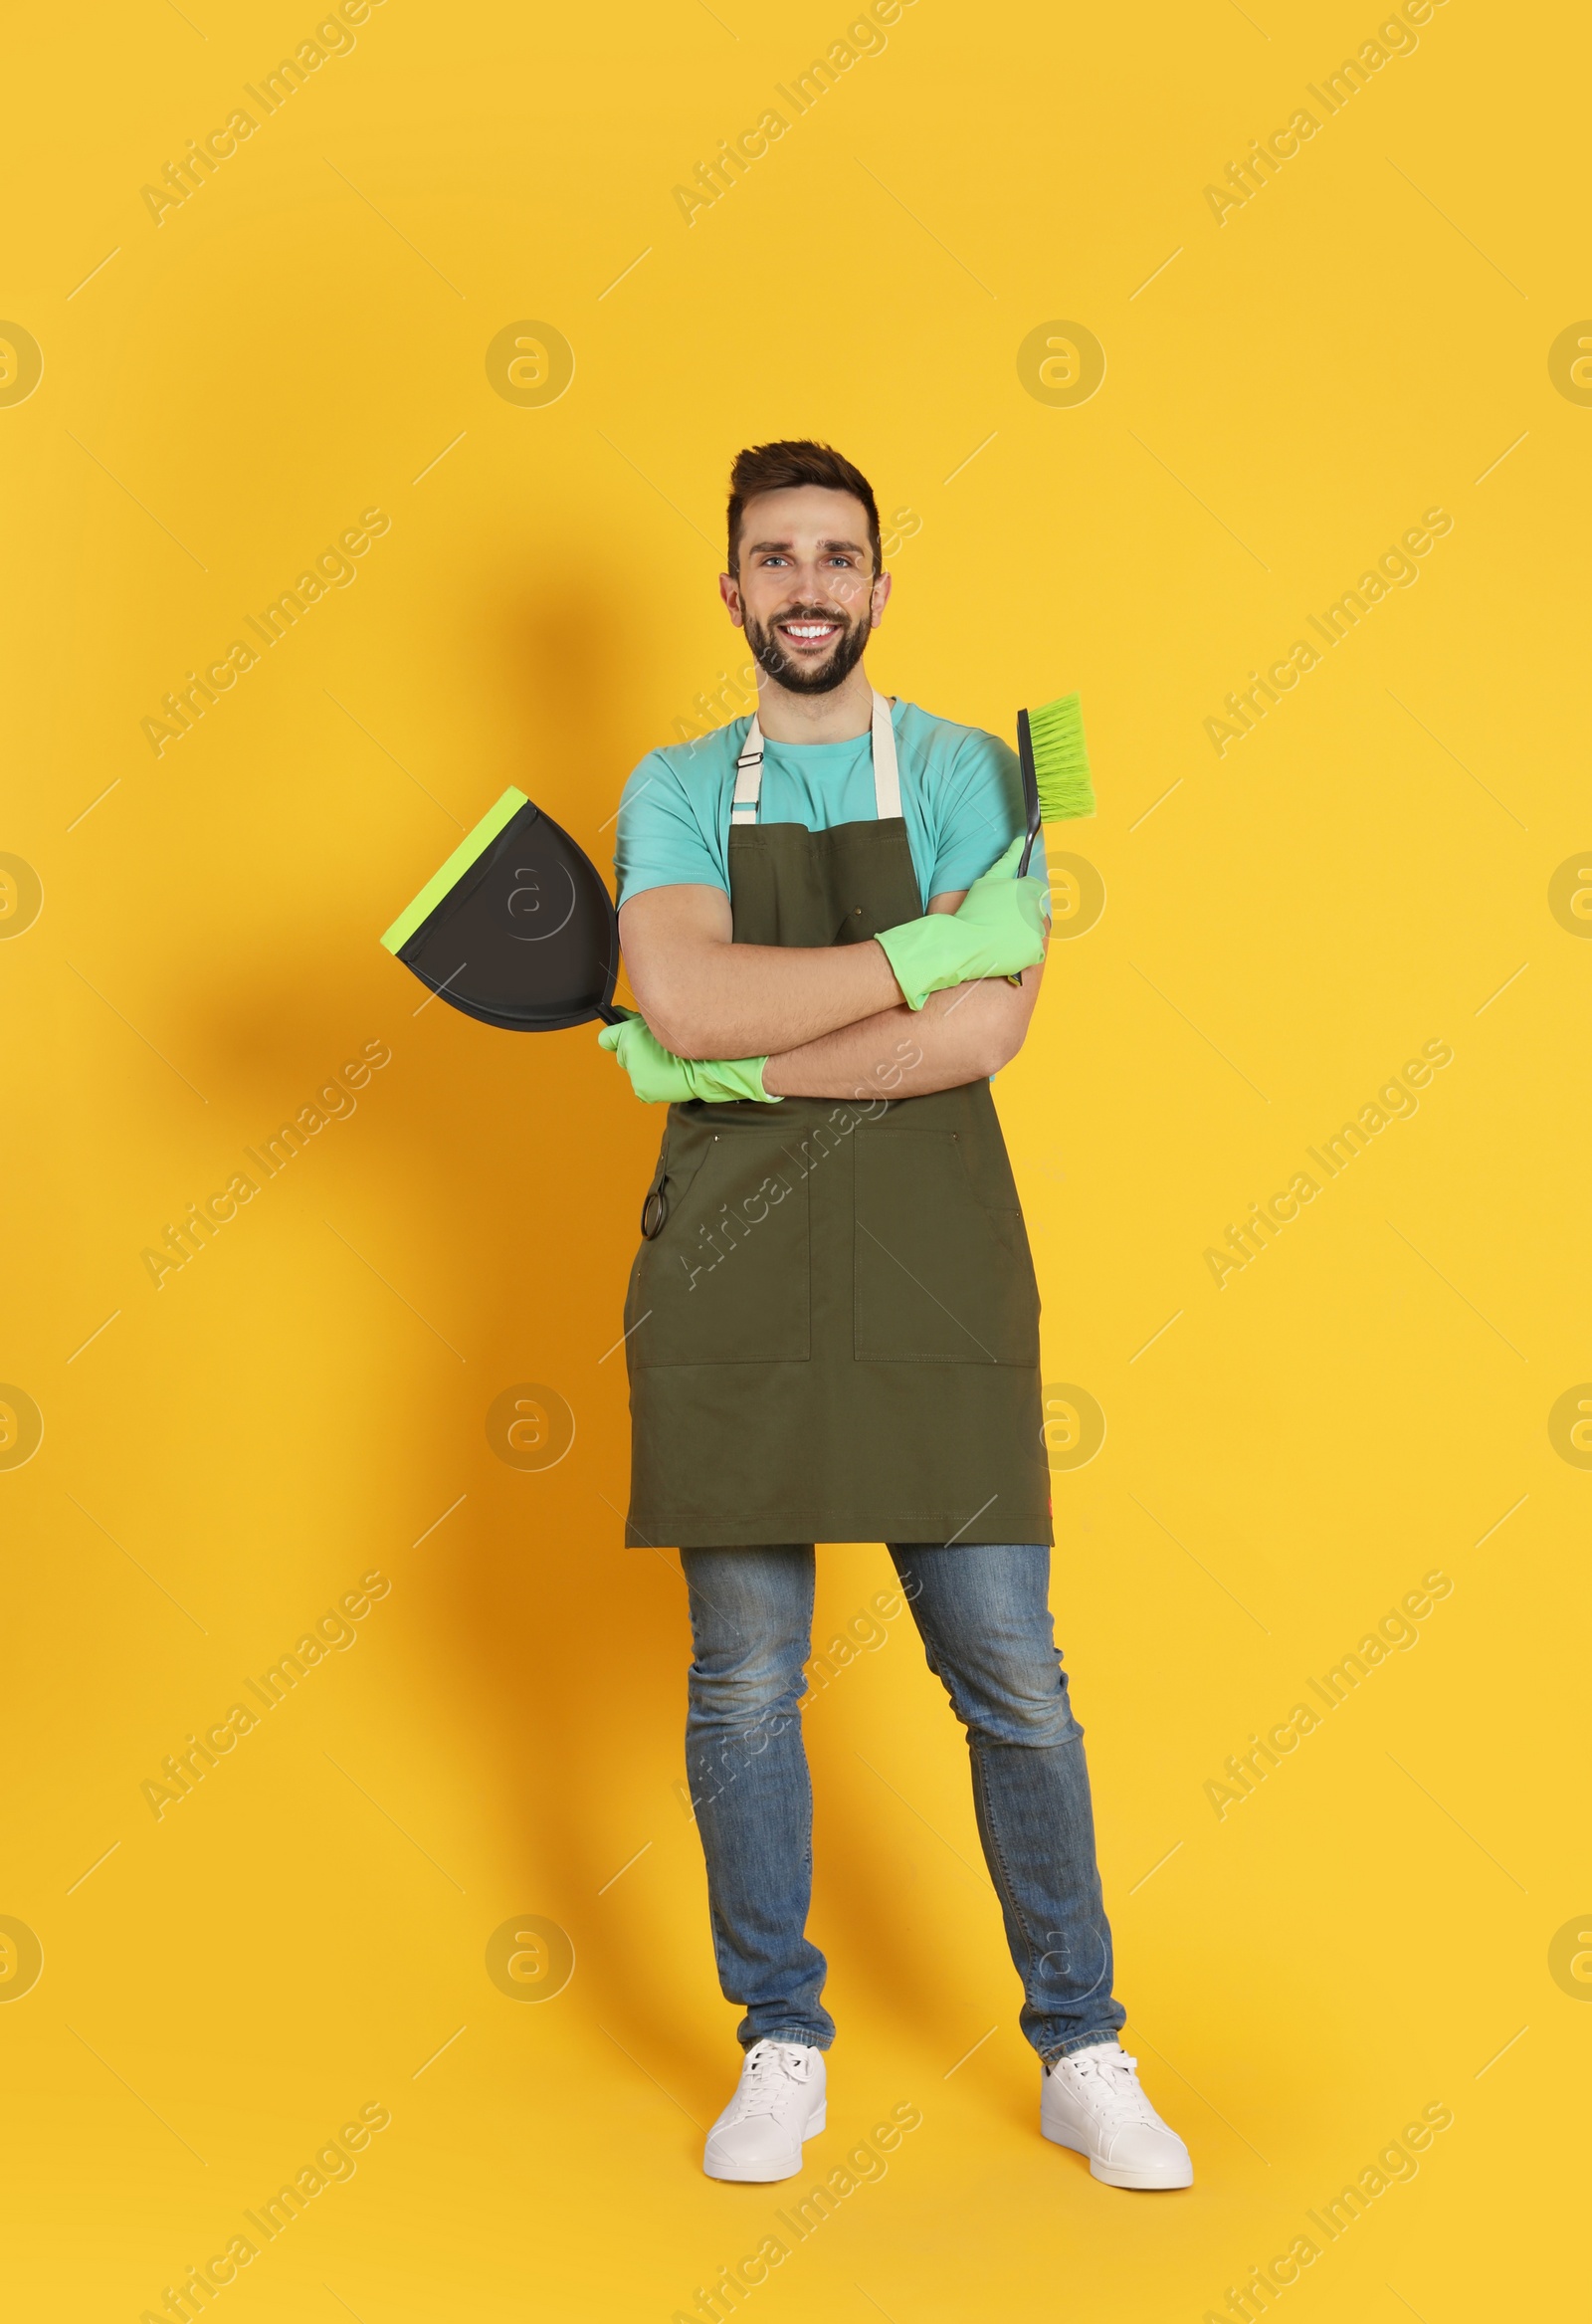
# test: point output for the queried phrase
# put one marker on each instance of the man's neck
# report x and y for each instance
(786, 717)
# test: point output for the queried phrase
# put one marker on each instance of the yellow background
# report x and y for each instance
(1363, 340)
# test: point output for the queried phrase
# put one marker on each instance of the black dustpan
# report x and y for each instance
(518, 929)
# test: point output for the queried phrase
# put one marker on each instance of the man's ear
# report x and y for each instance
(879, 598)
(729, 590)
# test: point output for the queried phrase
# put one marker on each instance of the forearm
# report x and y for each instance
(959, 1036)
(751, 1000)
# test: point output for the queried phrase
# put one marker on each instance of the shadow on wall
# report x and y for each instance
(578, 686)
(494, 1181)
(571, 1648)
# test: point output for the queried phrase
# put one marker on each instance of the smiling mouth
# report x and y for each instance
(809, 633)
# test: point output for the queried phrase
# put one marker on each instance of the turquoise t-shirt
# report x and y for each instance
(961, 798)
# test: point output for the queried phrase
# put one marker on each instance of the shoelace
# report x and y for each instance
(772, 2072)
(1111, 2081)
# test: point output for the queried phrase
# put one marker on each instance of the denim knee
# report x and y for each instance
(746, 1678)
(759, 1691)
(1024, 1704)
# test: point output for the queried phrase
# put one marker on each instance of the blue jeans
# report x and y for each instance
(982, 1614)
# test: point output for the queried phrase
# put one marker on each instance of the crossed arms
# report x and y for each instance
(831, 1019)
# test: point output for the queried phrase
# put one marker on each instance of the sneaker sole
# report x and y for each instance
(770, 2177)
(1113, 2173)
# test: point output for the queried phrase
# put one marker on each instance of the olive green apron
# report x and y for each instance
(832, 1324)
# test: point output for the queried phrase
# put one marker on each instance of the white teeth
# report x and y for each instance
(810, 629)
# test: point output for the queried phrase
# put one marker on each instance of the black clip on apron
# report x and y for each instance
(832, 1324)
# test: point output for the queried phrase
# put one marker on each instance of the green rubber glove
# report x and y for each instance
(997, 929)
(659, 1078)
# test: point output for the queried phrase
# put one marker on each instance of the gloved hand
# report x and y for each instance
(659, 1078)
(997, 929)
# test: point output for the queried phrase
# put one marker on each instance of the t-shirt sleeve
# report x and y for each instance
(981, 814)
(659, 841)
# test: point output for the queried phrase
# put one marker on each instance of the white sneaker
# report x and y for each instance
(778, 2102)
(1092, 2102)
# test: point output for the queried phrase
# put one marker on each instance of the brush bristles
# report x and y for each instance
(1061, 760)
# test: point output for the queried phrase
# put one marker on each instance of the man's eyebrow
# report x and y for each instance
(854, 546)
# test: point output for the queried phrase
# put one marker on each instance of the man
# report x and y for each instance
(833, 1323)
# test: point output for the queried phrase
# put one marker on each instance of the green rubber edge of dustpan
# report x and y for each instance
(452, 871)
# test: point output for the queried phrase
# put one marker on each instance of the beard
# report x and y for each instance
(807, 677)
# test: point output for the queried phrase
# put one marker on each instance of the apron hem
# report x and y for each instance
(921, 1530)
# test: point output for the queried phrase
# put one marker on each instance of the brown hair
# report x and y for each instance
(775, 467)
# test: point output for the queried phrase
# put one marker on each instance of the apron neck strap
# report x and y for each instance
(886, 772)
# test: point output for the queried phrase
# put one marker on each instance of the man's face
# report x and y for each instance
(806, 594)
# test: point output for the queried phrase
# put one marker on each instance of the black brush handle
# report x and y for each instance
(614, 1016)
(1025, 752)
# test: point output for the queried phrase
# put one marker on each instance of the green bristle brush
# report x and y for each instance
(1055, 763)
(1055, 759)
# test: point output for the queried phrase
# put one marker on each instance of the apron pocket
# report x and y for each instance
(726, 1278)
(938, 1277)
